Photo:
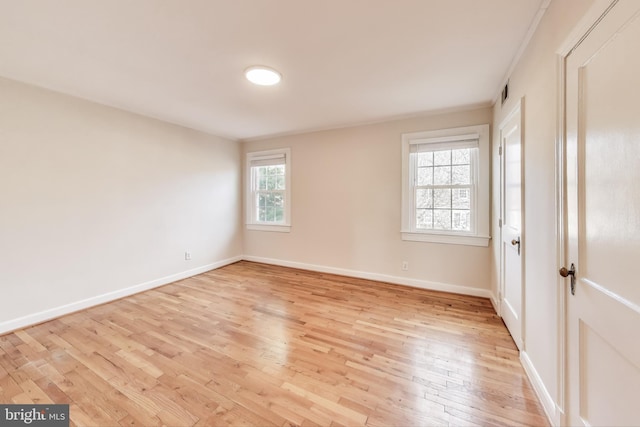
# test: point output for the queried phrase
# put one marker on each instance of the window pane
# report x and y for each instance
(460, 198)
(424, 219)
(425, 159)
(425, 176)
(424, 198)
(461, 220)
(278, 199)
(262, 178)
(271, 207)
(461, 174)
(442, 175)
(442, 219)
(441, 158)
(270, 177)
(262, 207)
(442, 198)
(460, 157)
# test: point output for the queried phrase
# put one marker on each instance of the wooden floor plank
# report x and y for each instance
(252, 344)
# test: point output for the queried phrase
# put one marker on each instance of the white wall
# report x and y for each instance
(535, 79)
(346, 195)
(96, 202)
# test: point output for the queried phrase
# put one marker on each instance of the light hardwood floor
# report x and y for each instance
(251, 344)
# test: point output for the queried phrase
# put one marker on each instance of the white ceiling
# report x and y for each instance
(343, 61)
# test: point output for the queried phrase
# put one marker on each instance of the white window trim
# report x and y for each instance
(480, 235)
(250, 222)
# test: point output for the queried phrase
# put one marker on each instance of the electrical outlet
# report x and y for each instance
(187, 256)
(405, 265)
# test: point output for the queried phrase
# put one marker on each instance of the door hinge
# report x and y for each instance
(500, 150)
(500, 223)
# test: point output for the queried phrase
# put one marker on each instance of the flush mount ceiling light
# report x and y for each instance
(263, 76)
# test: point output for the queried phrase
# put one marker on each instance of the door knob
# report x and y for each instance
(516, 242)
(566, 273)
(570, 272)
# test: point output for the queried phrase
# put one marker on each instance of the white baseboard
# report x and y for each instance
(548, 404)
(495, 303)
(33, 319)
(415, 283)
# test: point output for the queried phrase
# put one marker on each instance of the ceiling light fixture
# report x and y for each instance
(263, 76)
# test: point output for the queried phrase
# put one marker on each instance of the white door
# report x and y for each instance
(603, 222)
(511, 242)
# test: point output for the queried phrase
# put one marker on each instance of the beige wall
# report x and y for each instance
(346, 195)
(96, 202)
(535, 80)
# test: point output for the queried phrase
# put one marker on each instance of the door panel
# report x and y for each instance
(511, 241)
(603, 221)
(609, 383)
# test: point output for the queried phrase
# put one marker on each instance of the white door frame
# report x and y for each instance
(575, 37)
(518, 109)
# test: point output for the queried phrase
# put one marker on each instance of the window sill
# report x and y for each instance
(482, 241)
(265, 227)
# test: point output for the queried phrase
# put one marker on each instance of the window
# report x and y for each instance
(445, 186)
(268, 190)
